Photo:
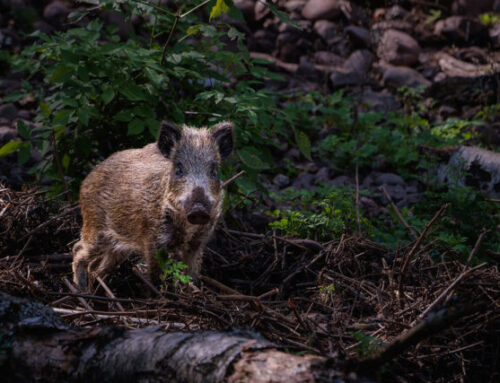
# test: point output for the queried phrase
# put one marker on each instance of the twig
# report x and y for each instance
(432, 325)
(146, 282)
(398, 213)
(356, 203)
(219, 285)
(476, 246)
(117, 315)
(230, 180)
(164, 53)
(21, 252)
(447, 290)
(49, 221)
(109, 293)
(417, 245)
(99, 298)
(74, 290)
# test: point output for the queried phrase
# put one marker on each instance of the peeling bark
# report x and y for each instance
(36, 346)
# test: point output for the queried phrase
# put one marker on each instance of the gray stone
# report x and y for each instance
(354, 70)
(397, 192)
(328, 58)
(261, 10)
(281, 181)
(55, 13)
(403, 76)
(327, 30)
(24, 114)
(342, 181)
(304, 181)
(461, 29)
(389, 179)
(359, 36)
(295, 5)
(323, 174)
(8, 111)
(7, 134)
(398, 48)
(475, 167)
(379, 102)
(321, 9)
(247, 7)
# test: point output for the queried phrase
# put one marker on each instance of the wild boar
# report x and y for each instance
(166, 195)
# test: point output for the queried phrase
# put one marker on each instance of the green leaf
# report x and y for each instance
(282, 16)
(107, 94)
(61, 74)
(83, 116)
(153, 126)
(132, 91)
(10, 147)
(123, 116)
(135, 127)
(219, 8)
(252, 158)
(24, 154)
(193, 30)
(62, 117)
(23, 129)
(65, 161)
(304, 144)
(45, 109)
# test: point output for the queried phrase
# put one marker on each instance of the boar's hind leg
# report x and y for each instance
(81, 255)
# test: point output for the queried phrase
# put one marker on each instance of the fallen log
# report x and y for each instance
(35, 345)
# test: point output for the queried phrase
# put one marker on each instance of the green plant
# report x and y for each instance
(435, 15)
(489, 19)
(99, 94)
(368, 345)
(171, 269)
(322, 215)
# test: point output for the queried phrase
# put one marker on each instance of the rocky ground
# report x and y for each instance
(367, 50)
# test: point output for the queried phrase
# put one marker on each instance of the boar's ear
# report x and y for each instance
(223, 135)
(169, 135)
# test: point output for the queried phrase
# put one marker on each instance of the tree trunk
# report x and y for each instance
(36, 346)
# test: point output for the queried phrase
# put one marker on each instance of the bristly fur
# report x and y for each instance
(140, 201)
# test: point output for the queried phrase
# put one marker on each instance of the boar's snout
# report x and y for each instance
(198, 207)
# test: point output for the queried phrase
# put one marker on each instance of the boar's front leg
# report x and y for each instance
(153, 265)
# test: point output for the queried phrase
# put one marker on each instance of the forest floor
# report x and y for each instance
(348, 296)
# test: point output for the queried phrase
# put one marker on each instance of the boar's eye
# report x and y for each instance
(213, 171)
(179, 170)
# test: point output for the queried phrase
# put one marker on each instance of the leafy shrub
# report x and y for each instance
(171, 269)
(99, 94)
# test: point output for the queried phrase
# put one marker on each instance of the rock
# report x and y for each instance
(24, 114)
(359, 36)
(8, 111)
(453, 67)
(459, 29)
(281, 181)
(325, 29)
(7, 134)
(379, 29)
(398, 48)
(389, 179)
(403, 76)
(472, 7)
(261, 10)
(355, 69)
(397, 193)
(379, 102)
(328, 58)
(323, 174)
(55, 13)
(308, 70)
(304, 181)
(342, 181)
(321, 9)
(475, 167)
(295, 5)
